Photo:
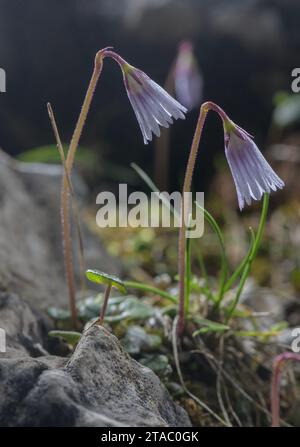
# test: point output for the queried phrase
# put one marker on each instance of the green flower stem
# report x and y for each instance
(261, 226)
(240, 268)
(224, 264)
(252, 255)
(147, 288)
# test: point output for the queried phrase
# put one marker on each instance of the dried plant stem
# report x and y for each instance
(185, 206)
(177, 364)
(105, 302)
(73, 196)
(67, 243)
(219, 383)
(275, 387)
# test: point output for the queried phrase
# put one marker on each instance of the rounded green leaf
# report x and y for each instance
(103, 278)
(70, 337)
(58, 314)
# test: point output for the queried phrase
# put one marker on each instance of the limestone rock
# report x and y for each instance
(100, 385)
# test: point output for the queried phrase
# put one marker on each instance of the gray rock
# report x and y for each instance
(26, 328)
(100, 385)
(30, 237)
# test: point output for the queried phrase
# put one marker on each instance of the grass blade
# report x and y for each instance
(252, 255)
(151, 289)
(224, 265)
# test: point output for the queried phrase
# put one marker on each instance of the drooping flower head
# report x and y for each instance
(187, 77)
(152, 105)
(252, 174)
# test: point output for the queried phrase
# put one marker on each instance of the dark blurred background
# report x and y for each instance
(246, 51)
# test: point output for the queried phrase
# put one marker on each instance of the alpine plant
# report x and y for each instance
(252, 174)
(152, 105)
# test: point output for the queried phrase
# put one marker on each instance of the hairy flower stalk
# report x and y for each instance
(252, 175)
(153, 107)
(275, 387)
(65, 193)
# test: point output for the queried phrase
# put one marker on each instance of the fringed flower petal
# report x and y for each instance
(252, 174)
(152, 105)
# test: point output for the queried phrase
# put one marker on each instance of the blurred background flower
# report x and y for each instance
(48, 55)
(188, 80)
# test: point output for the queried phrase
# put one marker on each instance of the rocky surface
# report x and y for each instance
(30, 237)
(26, 328)
(100, 385)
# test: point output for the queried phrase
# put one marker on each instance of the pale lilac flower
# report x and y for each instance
(252, 174)
(187, 77)
(152, 105)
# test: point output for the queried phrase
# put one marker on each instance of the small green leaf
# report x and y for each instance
(224, 263)
(272, 332)
(49, 154)
(104, 278)
(70, 337)
(89, 308)
(159, 363)
(295, 276)
(58, 314)
(133, 309)
(258, 334)
(150, 289)
(207, 329)
(137, 340)
(136, 309)
(209, 326)
(280, 326)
